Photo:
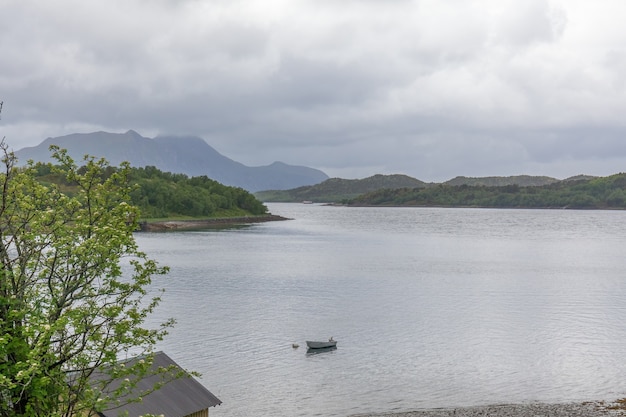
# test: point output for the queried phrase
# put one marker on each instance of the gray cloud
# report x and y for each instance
(429, 88)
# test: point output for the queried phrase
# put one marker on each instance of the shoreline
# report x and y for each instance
(576, 409)
(199, 224)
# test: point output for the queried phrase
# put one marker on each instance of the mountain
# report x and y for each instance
(188, 155)
(337, 189)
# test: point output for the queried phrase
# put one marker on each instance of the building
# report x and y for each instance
(182, 396)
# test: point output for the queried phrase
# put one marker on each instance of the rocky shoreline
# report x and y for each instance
(583, 409)
(199, 224)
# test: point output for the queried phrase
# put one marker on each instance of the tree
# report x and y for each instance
(73, 289)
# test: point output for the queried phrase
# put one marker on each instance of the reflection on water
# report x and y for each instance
(317, 351)
(433, 307)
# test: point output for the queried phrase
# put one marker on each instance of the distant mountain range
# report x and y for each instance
(182, 155)
(338, 190)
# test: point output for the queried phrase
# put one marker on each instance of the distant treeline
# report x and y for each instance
(165, 195)
(597, 193)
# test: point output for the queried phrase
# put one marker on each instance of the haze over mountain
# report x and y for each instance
(188, 155)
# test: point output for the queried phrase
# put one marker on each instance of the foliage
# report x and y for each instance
(163, 195)
(596, 193)
(73, 287)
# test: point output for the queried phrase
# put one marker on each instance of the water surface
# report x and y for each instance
(431, 307)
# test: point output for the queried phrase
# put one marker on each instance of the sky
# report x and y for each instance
(428, 88)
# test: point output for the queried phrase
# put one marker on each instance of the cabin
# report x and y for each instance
(179, 397)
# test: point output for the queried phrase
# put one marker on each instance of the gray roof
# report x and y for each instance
(177, 398)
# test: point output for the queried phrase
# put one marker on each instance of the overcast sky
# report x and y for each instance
(428, 88)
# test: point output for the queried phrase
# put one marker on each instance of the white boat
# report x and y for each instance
(321, 345)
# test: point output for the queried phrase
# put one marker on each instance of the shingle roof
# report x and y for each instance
(177, 398)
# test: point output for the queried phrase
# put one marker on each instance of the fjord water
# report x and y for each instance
(432, 307)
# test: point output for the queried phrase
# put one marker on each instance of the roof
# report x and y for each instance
(177, 398)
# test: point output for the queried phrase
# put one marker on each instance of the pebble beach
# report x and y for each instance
(585, 409)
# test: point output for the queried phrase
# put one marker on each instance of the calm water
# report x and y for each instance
(431, 308)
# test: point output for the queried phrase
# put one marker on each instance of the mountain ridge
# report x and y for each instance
(521, 180)
(189, 155)
(602, 193)
(338, 190)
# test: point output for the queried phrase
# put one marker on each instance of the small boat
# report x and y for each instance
(311, 352)
(321, 345)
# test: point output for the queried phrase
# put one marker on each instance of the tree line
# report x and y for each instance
(597, 193)
(160, 194)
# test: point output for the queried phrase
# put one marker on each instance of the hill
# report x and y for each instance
(337, 189)
(187, 155)
(595, 193)
(341, 190)
(163, 195)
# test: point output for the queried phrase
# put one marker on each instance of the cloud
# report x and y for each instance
(429, 88)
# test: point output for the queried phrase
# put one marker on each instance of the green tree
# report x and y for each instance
(73, 289)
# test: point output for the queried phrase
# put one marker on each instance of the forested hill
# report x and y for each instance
(596, 193)
(163, 195)
(338, 189)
